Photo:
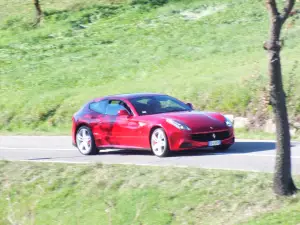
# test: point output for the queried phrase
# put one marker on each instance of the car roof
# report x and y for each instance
(128, 96)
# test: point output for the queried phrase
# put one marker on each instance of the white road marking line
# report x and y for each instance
(113, 150)
(142, 164)
(262, 140)
(200, 167)
(36, 149)
(53, 149)
(252, 154)
(54, 161)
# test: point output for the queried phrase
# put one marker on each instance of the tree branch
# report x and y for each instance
(272, 7)
(289, 4)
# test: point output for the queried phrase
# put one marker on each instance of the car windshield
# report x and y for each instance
(149, 105)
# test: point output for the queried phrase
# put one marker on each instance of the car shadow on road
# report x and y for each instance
(247, 147)
(125, 152)
(55, 158)
(237, 148)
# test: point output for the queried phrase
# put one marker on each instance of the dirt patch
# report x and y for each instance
(197, 14)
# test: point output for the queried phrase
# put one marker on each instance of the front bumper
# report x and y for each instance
(183, 140)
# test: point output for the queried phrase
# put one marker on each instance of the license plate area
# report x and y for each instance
(214, 143)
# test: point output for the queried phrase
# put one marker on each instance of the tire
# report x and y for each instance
(222, 147)
(159, 143)
(85, 141)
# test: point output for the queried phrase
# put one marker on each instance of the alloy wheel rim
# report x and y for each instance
(158, 142)
(84, 141)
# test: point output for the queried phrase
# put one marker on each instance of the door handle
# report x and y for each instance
(95, 119)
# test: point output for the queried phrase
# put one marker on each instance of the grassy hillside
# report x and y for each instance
(206, 52)
(45, 193)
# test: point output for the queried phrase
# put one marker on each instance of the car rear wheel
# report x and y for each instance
(159, 143)
(222, 147)
(85, 141)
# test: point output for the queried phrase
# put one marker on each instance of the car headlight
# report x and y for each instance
(178, 124)
(228, 122)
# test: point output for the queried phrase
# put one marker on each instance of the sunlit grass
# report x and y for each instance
(45, 193)
(95, 48)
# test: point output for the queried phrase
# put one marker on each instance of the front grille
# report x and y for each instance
(210, 136)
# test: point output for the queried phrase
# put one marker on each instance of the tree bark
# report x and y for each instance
(283, 182)
(39, 12)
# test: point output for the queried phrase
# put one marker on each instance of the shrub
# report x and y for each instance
(149, 2)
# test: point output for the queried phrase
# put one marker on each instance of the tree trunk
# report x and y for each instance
(39, 13)
(283, 182)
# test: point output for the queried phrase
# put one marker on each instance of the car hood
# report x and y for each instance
(198, 121)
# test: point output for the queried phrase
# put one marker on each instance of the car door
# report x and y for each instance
(109, 129)
(110, 124)
(97, 123)
(130, 131)
(120, 130)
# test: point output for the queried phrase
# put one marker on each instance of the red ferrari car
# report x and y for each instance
(155, 122)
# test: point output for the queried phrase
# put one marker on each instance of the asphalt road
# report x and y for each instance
(249, 155)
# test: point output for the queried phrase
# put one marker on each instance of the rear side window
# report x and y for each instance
(99, 107)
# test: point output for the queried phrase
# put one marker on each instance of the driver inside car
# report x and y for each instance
(154, 106)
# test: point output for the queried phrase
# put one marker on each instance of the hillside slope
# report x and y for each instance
(206, 52)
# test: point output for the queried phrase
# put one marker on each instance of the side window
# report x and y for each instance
(141, 106)
(169, 103)
(99, 107)
(114, 106)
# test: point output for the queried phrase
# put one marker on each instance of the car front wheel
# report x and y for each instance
(159, 143)
(85, 141)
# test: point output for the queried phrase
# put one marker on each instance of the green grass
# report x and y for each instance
(45, 193)
(95, 48)
(243, 133)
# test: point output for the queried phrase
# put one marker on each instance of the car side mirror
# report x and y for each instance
(190, 105)
(123, 112)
